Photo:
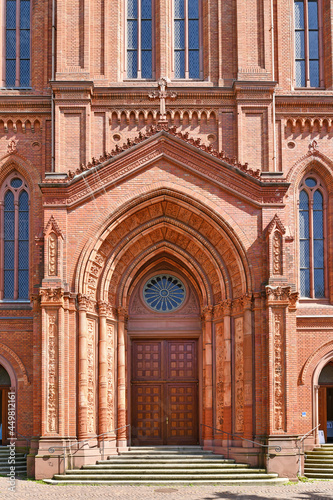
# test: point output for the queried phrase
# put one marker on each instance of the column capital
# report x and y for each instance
(122, 313)
(53, 296)
(207, 313)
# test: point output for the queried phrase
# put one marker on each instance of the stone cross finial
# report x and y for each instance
(162, 94)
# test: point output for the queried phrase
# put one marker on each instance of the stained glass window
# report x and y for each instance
(18, 43)
(186, 39)
(311, 239)
(164, 293)
(307, 36)
(139, 39)
(15, 283)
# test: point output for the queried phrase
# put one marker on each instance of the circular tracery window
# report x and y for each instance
(164, 293)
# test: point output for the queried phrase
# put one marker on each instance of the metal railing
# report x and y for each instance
(100, 444)
(276, 448)
(301, 441)
(27, 439)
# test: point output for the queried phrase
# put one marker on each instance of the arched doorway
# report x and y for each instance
(325, 401)
(164, 331)
(5, 385)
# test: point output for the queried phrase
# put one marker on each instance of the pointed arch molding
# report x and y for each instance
(315, 160)
(21, 372)
(220, 252)
(313, 360)
(52, 226)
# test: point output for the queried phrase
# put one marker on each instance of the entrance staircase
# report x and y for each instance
(20, 462)
(167, 465)
(319, 462)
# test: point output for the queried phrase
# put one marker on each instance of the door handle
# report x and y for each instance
(167, 420)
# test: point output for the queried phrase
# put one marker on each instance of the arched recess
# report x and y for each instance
(159, 211)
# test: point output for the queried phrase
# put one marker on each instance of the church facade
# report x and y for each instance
(166, 207)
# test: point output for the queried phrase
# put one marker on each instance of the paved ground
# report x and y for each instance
(317, 490)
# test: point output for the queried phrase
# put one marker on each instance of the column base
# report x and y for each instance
(288, 462)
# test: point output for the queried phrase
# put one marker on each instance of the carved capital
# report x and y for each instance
(52, 295)
(278, 294)
(102, 308)
(36, 300)
(293, 298)
(122, 314)
(207, 313)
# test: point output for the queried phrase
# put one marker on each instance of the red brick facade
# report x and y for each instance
(209, 195)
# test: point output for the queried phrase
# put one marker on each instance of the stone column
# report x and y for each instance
(227, 366)
(83, 368)
(102, 369)
(248, 367)
(208, 377)
(122, 433)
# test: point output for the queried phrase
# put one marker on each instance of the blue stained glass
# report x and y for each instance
(9, 201)
(303, 201)
(132, 9)
(146, 64)
(10, 44)
(193, 9)
(24, 73)
(23, 225)
(299, 45)
(146, 35)
(313, 45)
(9, 254)
(305, 283)
(9, 284)
(10, 72)
(132, 64)
(310, 182)
(179, 9)
(299, 15)
(24, 201)
(23, 254)
(23, 284)
(319, 283)
(145, 9)
(314, 73)
(179, 35)
(318, 230)
(164, 293)
(179, 64)
(25, 44)
(132, 34)
(300, 73)
(317, 200)
(11, 14)
(194, 65)
(318, 254)
(313, 15)
(304, 250)
(25, 14)
(304, 224)
(16, 182)
(193, 34)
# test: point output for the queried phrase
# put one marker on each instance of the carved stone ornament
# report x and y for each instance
(277, 253)
(279, 372)
(51, 294)
(12, 146)
(52, 254)
(91, 375)
(219, 342)
(110, 395)
(239, 375)
(52, 393)
(221, 155)
(280, 294)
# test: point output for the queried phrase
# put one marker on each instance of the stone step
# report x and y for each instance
(134, 453)
(319, 475)
(160, 477)
(225, 482)
(323, 464)
(162, 461)
(106, 465)
(169, 456)
(174, 472)
(19, 469)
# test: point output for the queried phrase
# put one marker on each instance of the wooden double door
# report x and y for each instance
(164, 388)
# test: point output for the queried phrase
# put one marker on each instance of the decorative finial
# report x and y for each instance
(162, 94)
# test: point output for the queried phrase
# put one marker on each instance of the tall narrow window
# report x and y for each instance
(17, 43)
(187, 39)
(311, 233)
(307, 43)
(139, 39)
(15, 242)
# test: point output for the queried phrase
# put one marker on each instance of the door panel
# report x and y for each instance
(164, 392)
(322, 410)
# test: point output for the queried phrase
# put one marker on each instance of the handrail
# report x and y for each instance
(27, 439)
(277, 448)
(301, 440)
(303, 437)
(69, 446)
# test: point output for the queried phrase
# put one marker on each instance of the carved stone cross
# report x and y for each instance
(162, 94)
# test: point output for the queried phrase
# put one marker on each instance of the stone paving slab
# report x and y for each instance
(317, 490)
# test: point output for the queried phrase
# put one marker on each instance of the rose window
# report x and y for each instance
(164, 293)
